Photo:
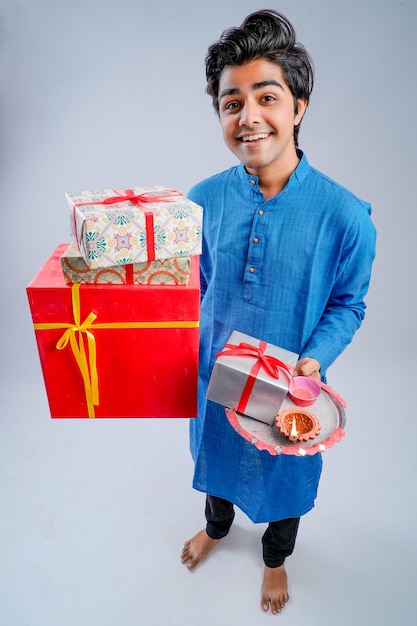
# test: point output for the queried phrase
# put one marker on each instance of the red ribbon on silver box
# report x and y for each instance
(269, 363)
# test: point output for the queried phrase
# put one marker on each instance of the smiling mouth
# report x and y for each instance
(249, 138)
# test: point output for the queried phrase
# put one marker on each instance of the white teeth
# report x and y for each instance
(255, 137)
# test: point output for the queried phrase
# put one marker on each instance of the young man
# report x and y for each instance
(287, 257)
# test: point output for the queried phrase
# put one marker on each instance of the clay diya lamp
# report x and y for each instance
(298, 424)
(303, 390)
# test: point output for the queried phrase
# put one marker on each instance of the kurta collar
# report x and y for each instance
(296, 177)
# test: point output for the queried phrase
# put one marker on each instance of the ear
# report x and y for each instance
(300, 109)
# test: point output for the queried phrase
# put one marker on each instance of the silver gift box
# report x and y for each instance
(230, 374)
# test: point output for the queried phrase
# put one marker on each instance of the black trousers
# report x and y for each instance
(278, 540)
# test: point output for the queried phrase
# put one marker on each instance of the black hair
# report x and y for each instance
(263, 34)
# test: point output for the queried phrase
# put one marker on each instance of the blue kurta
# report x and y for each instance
(292, 271)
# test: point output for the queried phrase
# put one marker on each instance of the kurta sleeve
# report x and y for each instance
(345, 308)
(199, 198)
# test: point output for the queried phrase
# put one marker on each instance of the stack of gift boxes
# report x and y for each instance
(116, 312)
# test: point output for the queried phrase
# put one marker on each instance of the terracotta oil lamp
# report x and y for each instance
(298, 424)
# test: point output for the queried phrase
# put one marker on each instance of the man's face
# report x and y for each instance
(257, 117)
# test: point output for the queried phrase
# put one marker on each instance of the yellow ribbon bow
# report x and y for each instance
(76, 333)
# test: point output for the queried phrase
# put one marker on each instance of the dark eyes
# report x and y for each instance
(235, 104)
(231, 105)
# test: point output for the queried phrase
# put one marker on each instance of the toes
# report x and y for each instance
(185, 550)
(190, 563)
(276, 608)
(187, 559)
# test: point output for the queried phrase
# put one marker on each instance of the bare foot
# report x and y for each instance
(196, 549)
(274, 589)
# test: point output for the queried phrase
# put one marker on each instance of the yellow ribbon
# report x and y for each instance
(86, 359)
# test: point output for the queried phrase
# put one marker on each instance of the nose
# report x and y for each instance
(249, 113)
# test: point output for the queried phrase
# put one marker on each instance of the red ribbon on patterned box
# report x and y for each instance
(128, 195)
(269, 363)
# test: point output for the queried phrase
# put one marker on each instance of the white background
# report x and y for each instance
(98, 94)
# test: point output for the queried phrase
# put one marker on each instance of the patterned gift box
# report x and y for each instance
(116, 350)
(252, 377)
(168, 272)
(115, 226)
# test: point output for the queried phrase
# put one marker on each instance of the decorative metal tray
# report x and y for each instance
(329, 410)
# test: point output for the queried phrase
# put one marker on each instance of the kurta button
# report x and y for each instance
(260, 212)
(251, 269)
(255, 240)
(252, 181)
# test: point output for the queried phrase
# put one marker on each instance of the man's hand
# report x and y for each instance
(308, 367)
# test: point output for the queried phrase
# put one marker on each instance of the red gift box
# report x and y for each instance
(116, 350)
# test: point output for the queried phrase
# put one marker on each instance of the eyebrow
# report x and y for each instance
(233, 91)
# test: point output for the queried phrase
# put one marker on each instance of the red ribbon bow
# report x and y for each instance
(128, 195)
(270, 364)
